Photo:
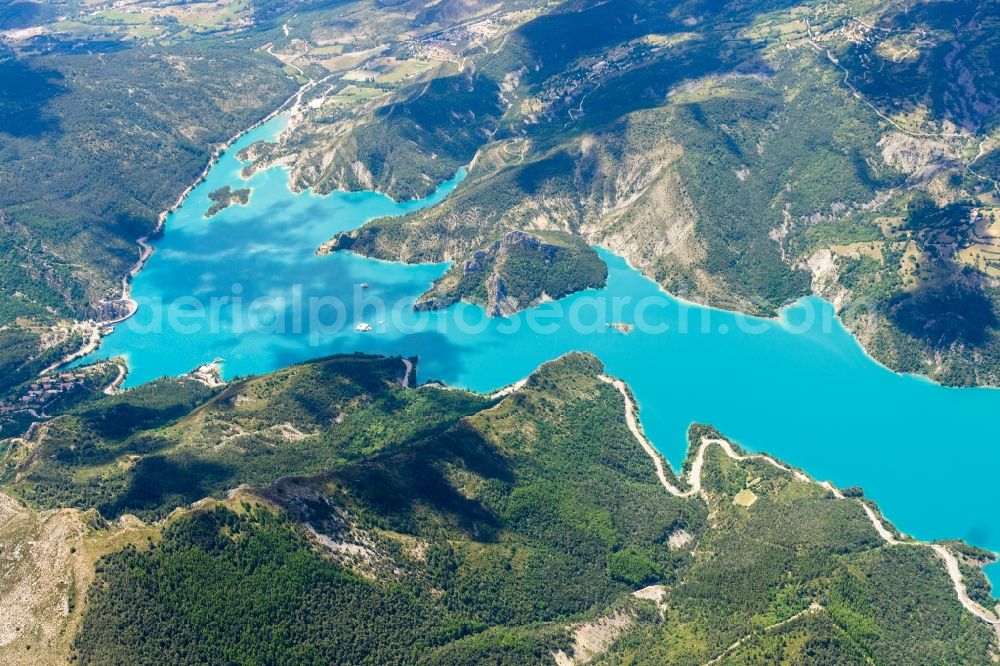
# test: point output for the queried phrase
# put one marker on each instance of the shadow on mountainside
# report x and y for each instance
(956, 307)
(401, 489)
(24, 93)
(950, 39)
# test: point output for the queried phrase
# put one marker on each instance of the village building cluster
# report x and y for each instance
(42, 392)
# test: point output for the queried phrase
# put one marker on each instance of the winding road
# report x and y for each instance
(694, 488)
(928, 135)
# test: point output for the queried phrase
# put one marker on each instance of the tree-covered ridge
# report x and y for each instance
(833, 592)
(172, 442)
(519, 271)
(249, 588)
(520, 532)
(105, 154)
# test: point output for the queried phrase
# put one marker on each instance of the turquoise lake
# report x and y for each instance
(247, 286)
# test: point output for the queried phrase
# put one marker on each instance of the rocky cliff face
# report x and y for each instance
(621, 189)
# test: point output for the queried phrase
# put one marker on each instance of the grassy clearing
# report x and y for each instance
(356, 94)
(862, 249)
(984, 258)
(332, 49)
(404, 69)
(128, 18)
(745, 498)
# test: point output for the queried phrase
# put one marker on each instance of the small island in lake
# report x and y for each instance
(224, 197)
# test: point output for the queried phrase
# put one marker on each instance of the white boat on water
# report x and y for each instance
(362, 327)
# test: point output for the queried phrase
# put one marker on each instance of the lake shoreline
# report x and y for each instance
(779, 318)
(736, 381)
(102, 327)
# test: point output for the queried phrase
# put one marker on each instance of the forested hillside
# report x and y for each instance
(118, 453)
(381, 523)
(518, 271)
(99, 133)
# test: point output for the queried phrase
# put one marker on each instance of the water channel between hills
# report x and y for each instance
(246, 285)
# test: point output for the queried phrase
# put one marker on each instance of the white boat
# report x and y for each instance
(362, 327)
